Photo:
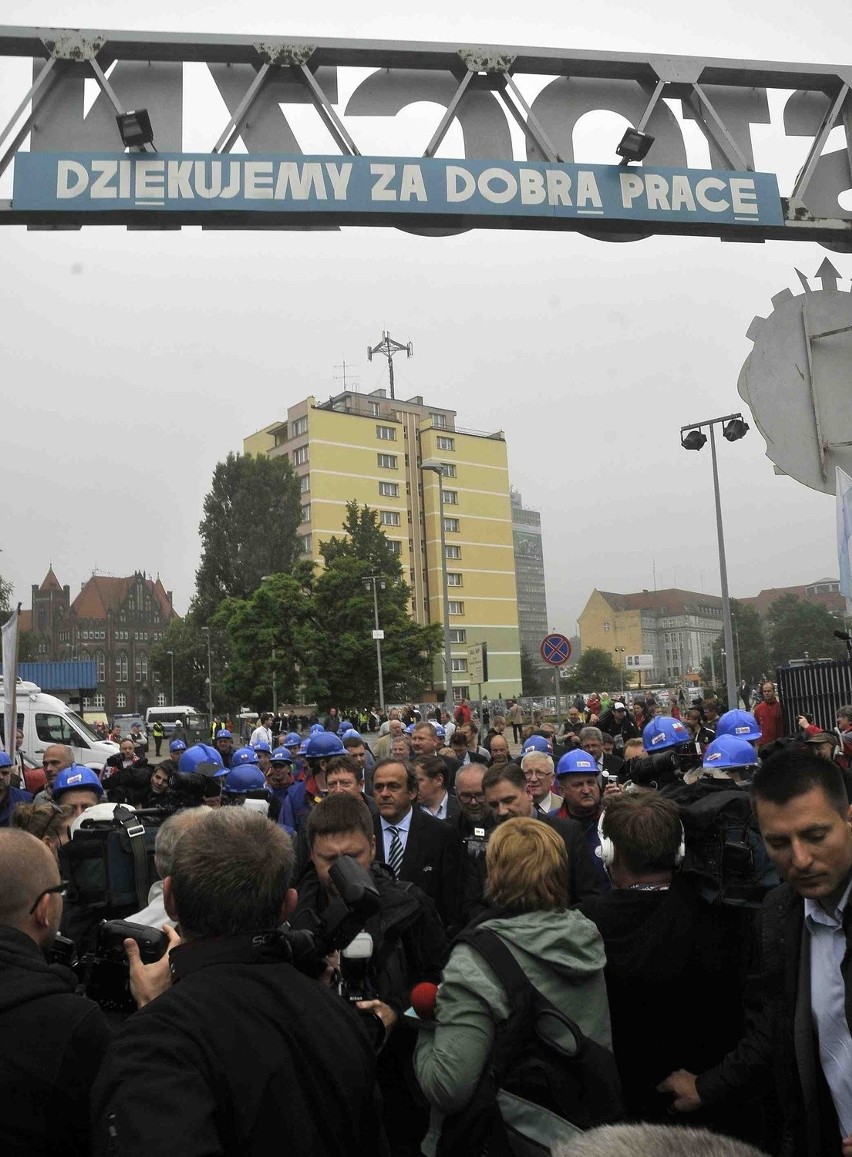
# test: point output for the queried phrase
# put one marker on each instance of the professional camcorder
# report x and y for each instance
(104, 973)
(659, 768)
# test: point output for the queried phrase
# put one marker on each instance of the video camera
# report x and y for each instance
(356, 900)
(660, 767)
(104, 973)
(109, 862)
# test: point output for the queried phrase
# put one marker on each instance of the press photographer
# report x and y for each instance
(51, 1040)
(230, 993)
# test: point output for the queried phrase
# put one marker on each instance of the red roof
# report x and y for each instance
(50, 582)
(672, 601)
(102, 594)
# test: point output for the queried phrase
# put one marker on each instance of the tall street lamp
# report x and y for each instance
(693, 438)
(377, 583)
(206, 631)
(171, 656)
(436, 467)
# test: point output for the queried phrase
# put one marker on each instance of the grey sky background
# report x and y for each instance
(133, 362)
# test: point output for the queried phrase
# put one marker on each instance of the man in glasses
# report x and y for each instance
(51, 1039)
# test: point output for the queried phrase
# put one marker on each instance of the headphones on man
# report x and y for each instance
(607, 847)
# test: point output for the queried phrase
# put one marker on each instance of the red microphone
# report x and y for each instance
(424, 997)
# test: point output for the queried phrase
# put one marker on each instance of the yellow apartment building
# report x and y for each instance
(371, 448)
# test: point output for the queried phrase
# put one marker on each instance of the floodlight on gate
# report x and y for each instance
(735, 429)
(694, 440)
(634, 145)
(135, 128)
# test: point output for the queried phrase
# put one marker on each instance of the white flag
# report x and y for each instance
(10, 679)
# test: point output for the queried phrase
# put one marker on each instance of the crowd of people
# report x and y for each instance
(364, 935)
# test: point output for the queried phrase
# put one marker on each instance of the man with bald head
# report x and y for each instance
(55, 758)
(51, 1039)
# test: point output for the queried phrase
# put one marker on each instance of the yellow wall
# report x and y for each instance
(625, 629)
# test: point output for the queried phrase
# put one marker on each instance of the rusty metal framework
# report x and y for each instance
(476, 85)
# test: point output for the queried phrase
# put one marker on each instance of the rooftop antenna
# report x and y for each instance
(387, 347)
(349, 382)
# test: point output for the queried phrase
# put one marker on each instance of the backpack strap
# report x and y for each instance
(499, 957)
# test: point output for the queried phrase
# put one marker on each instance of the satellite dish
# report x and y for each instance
(797, 381)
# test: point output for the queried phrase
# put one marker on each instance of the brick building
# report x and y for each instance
(113, 622)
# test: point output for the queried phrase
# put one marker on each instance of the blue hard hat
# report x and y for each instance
(662, 732)
(316, 728)
(243, 756)
(740, 723)
(291, 739)
(410, 729)
(224, 734)
(76, 777)
(536, 743)
(202, 759)
(345, 725)
(577, 763)
(729, 751)
(281, 755)
(350, 733)
(5, 759)
(177, 745)
(323, 745)
(243, 779)
(439, 731)
(261, 745)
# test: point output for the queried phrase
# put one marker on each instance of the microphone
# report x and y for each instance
(844, 635)
(424, 997)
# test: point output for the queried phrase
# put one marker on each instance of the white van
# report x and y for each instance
(44, 719)
(192, 721)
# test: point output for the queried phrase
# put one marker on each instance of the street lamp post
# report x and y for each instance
(693, 438)
(171, 656)
(375, 581)
(206, 631)
(620, 652)
(438, 468)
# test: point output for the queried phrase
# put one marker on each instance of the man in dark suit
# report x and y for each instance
(802, 1035)
(432, 794)
(507, 797)
(425, 741)
(417, 847)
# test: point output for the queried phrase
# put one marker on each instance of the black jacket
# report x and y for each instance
(780, 1046)
(52, 1042)
(242, 1056)
(432, 861)
(128, 784)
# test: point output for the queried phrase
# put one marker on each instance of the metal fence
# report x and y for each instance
(816, 689)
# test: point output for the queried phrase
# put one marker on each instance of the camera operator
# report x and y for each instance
(51, 1039)
(242, 1044)
(408, 946)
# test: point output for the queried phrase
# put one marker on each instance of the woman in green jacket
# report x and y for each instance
(560, 951)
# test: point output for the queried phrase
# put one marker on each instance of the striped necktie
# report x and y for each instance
(395, 857)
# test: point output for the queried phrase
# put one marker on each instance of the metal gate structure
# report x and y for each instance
(814, 688)
(71, 167)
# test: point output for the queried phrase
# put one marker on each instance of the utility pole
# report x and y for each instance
(387, 347)
(206, 631)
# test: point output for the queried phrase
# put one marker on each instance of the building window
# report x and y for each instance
(121, 667)
(445, 443)
(121, 700)
(456, 608)
(386, 461)
(300, 456)
(395, 546)
(458, 635)
(448, 469)
(389, 489)
(305, 513)
(386, 433)
(161, 700)
(451, 497)
(460, 664)
(373, 407)
(454, 580)
(98, 702)
(100, 659)
(451, 525)
(389, 518)
(453, 552)
(439, 420)
(299, 427)
(304, 484)
(306, 544)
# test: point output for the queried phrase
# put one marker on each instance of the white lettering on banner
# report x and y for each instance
(412, 184)
(587, 190)
(208, 192)
(105, 171)
(65, 170)
(384, 174)
(744, 195)
(339, 177)
(300, 179)
(124, 178)
(258, 180)
(702, 195)
(497, 196)
(558, 187)
(150, 179)
(682, 193)
(632, 186)
(532, 186)
(178, 180)
(456, 192)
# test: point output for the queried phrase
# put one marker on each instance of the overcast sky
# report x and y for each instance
(133, 362)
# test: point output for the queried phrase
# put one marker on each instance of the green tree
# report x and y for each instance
(535, 679)
(796, 628)
(251, 516)
(342, 665)
(268, 633)
(751, 655)
(595, 670)
(6, 590)
(185, 638)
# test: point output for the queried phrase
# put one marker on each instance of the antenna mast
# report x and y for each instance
(387, 347)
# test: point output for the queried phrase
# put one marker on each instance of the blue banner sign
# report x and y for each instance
(257, 183)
